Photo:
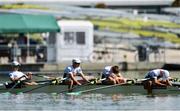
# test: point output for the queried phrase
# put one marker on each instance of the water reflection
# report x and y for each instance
(43, 101)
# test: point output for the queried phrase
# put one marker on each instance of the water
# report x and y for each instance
(44, 102)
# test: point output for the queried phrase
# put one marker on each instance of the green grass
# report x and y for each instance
(139, 27)
(21, 6)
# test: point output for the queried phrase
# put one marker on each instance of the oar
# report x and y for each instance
(144, 79)
(44, 84)
(41, 86)
(94, 89)
(42, 76)
(175, 84)
(43, 81)
(50, 79)
(77, 86)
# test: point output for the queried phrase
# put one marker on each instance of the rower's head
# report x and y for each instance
(76, 62)
(115, 69)
(15, 65)
(29, 75)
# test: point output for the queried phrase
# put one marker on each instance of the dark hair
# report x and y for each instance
(115, 69)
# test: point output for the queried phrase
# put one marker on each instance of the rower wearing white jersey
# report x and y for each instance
(156, 77)
(112, 75)
(17, 75)
(71, 72)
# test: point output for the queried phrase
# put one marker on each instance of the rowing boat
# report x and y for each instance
(127, 88)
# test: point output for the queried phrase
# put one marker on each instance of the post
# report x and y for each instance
(28, 45)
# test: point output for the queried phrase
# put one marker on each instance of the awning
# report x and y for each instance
(23, 23)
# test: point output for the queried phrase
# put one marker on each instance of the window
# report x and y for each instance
(80, 38)
(74, 38)
(69, 37)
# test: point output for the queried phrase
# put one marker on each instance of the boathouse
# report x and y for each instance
(74, 41)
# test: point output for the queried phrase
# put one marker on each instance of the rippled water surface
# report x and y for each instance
(42, 101)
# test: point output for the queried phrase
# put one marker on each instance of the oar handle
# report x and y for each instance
(43, 84)
(57, 80)
(175, 79)
(43, 76)
(175, 84)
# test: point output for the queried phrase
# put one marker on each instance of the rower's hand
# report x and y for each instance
(91, 82)
(34, 83)
(79, 84)
(19, 81)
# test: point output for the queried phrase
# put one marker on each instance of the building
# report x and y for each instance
(74, 41)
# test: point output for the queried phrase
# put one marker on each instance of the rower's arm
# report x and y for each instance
(73, 78)
(13, 79)
(30, 83)
(16, 78)
(82, 75)
(168, 83)
(158, 82)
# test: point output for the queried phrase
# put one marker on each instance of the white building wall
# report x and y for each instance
(51, 47)
(66, 52)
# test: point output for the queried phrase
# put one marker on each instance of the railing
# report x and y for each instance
(23, 53)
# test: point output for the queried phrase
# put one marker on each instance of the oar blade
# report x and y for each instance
(6, 93)
(74, 93)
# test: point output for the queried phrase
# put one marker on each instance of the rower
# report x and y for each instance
(156, 77)
(28, 80)
(71, 72)
(112, 75)
(120, 78)
(17, 75)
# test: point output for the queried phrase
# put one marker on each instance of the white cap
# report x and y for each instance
(76, 61)
(15, 63)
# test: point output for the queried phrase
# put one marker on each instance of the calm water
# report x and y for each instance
(48, 102)
(44, 102)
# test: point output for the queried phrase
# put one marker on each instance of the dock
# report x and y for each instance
(124, 66)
